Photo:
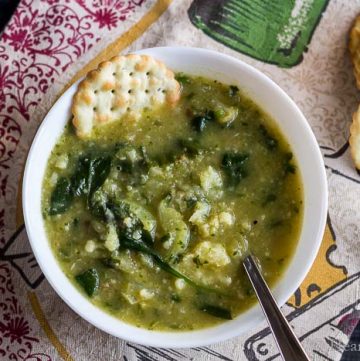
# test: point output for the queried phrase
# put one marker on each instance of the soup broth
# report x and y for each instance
(151, 219)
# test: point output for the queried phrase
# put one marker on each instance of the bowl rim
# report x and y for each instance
(82, 306)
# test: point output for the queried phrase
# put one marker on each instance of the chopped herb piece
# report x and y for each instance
(197, 261)
(165, 238)
(269, 141)
(233, 90)
(120, 209)
(190, 147)
(182, 78)
(145, 156)
(216, 311)
(200, 122)
(289, 167)
(219, 112)
(276, 223)
(108, 262)
(89, 281)
(175, 297)
(271, 197)
(191, 201)
(249, 292)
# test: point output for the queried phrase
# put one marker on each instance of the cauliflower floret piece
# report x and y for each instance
(156, 172)
(214, 225)
(62, 161)
(54, 178)
(211, 181)
(128, 222)
(90, 246)
(204, 230)
(180, 284)
(226, 218)
(132, 155)
(111, 239)
(146, 294)
(227, 280)
(212, 254)
(202, 210)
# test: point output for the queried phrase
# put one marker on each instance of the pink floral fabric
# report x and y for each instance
(16, 335)
(43, 38)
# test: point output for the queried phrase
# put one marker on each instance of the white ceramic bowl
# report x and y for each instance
(303, 143)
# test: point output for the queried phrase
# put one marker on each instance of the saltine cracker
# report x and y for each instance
(120, 89)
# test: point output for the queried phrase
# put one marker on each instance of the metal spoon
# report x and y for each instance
(287, 342)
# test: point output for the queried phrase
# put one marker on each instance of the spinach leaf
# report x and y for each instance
(175, 297)
(216, 311)
(90, 174)
(97, 204)
(190, 147)
(61, 197)
(181, 146)
(140, 246)
(120, 209)
(108, 262)
(147, 238)
(269, 198)
(234, 165)
(233, 90)
(270, 142)
(79, 180)
(99, 169)
(288, 166)
(89, 281)
(200, 122)
(132, 162)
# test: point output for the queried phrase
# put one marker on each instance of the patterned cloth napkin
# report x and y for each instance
(302, 45)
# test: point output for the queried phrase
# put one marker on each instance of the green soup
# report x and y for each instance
(151, 220)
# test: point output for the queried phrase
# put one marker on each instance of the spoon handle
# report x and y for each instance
(288, 344)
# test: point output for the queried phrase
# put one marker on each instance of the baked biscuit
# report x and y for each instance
(354, 139)
(120, 89)
(354, 47)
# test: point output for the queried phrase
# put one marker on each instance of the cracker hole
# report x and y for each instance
(131, 73)
(95, 91)
(146, 91)
(113, 91)
(128, 109)
(114, 74)
(94, 109)
(163, 91)
(130, 91)
(147, 73)
(112, 109)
